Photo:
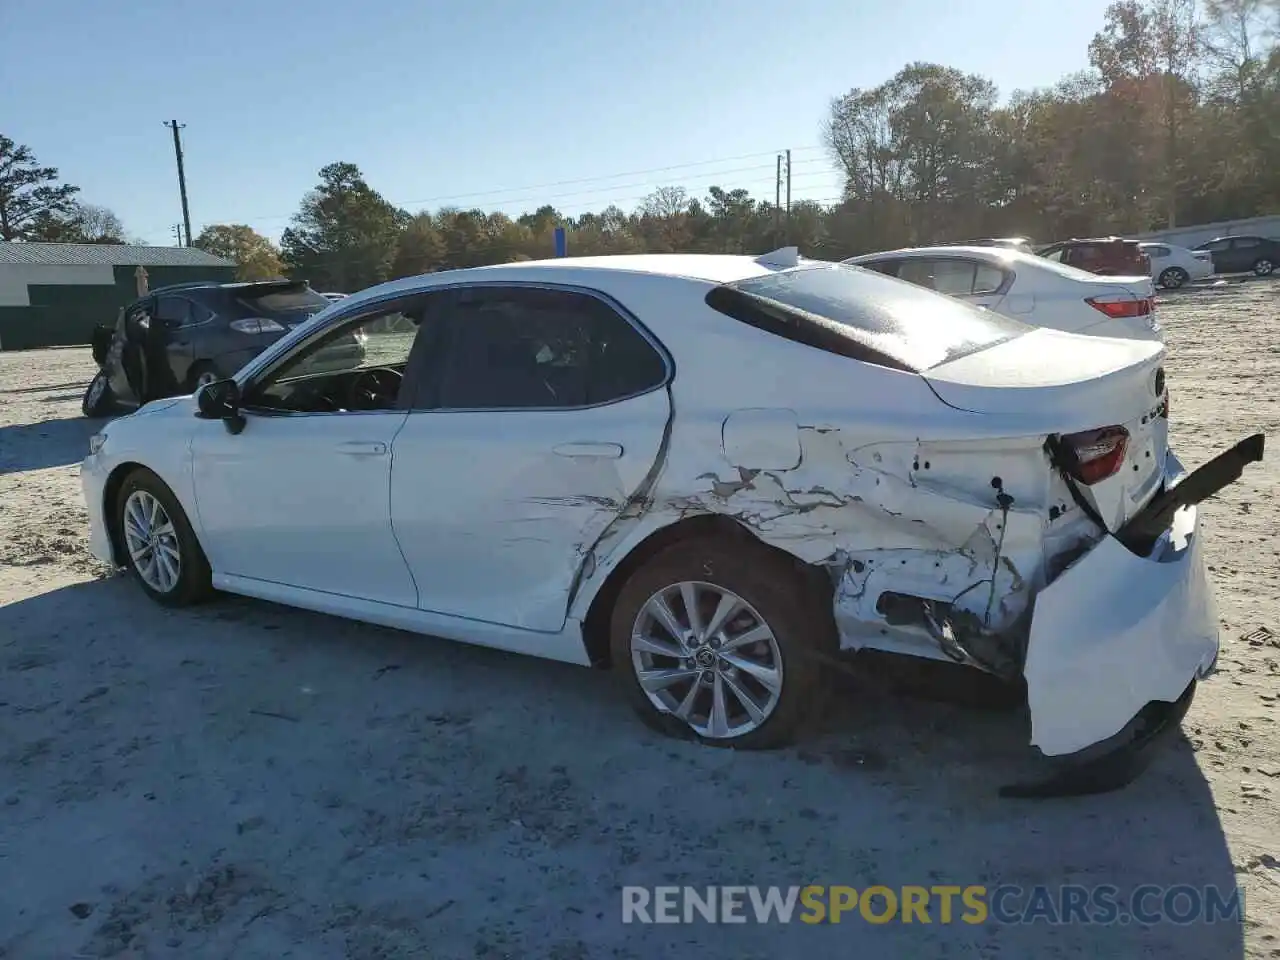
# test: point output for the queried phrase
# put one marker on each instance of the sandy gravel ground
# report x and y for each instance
(244, 780)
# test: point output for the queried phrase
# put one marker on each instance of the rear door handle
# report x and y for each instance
(611, 451)
(360, 448)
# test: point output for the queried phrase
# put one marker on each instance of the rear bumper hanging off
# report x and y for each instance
(1120, 639)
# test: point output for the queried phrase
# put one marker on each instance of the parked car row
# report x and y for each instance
(1169, 265)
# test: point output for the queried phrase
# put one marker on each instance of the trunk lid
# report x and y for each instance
(1062, 384)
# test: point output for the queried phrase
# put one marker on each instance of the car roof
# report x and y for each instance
(709, 268)
(993, 254)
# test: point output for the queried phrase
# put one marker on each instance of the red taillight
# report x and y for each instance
(1121, 309)
(1096, 454)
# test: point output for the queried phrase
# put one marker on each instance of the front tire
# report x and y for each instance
(201, 375)
(721, 642)
(98, 400)
(1173, 278)
(1263, 267)
(160, 547)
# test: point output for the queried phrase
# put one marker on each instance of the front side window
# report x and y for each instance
(359, 365)
(1156, 253)
(859, 314)
(1215, 246)
(535, 348)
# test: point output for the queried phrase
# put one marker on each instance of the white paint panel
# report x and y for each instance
(15, 278)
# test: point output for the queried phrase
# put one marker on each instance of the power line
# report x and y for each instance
(542, 198)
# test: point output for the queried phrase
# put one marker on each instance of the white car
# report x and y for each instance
(1032, 289)
(1173, 266)
(712, 474)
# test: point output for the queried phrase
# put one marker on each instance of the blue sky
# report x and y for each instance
(500, 104)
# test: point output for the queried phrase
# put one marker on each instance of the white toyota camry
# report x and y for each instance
(713, 474)
(1032, 289)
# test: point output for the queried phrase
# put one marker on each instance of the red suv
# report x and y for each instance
(1108, 256)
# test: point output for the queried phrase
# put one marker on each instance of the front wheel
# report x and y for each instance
(1173, 278)
(1263, 267)
(721, 642)
(98, 399)
(161, 548)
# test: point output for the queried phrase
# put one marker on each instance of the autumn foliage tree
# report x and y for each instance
(255, 256)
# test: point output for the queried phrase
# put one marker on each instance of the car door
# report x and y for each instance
(546, 415)
(175, 313)
(1244, 251)
(301, 496)
(1220, 251)
(124, 359)
(1160, 257)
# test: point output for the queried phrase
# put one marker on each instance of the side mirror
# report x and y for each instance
(220, 400)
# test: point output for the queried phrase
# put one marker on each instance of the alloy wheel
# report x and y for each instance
(1263, 267)
(703, 654)
(152, 541)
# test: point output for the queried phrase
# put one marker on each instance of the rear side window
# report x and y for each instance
(1156, 253)
(535, 348)
(859, 314)
(1242, 242)
(302, 300)
(987, 279)
(954, 277)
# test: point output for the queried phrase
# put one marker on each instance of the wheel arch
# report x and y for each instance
(595, 625)
(110, 492)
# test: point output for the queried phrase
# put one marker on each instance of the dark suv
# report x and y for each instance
(177, 338)
(1106, 256)
(1240, 254)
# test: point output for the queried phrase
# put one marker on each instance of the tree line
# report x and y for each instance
(1177, 120)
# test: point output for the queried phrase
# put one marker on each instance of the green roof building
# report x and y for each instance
(54, 293)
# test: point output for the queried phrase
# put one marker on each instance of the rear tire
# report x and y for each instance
(1263, 267)
(722, 687)
(98, 400)
(160, 548)
(1173, 278)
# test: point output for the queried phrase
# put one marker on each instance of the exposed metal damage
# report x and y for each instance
(953, 568)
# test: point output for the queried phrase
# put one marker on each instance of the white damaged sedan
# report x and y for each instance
(712, 474)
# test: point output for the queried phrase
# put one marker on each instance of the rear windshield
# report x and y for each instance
(865, 315)
(301, 300)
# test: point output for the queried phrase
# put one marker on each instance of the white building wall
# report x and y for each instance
(15, 277)
(1197, 234)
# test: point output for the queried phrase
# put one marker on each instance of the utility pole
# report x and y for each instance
(177, 232)
(777, 203)
(788, 196)
(175, 126)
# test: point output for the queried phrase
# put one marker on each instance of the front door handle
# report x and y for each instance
(610, 451)
(360, 448)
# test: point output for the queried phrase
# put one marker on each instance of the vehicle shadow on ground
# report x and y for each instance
(78, 387)
(52, 443)
(360, 755)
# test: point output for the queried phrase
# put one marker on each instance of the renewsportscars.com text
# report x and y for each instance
(939, 903)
